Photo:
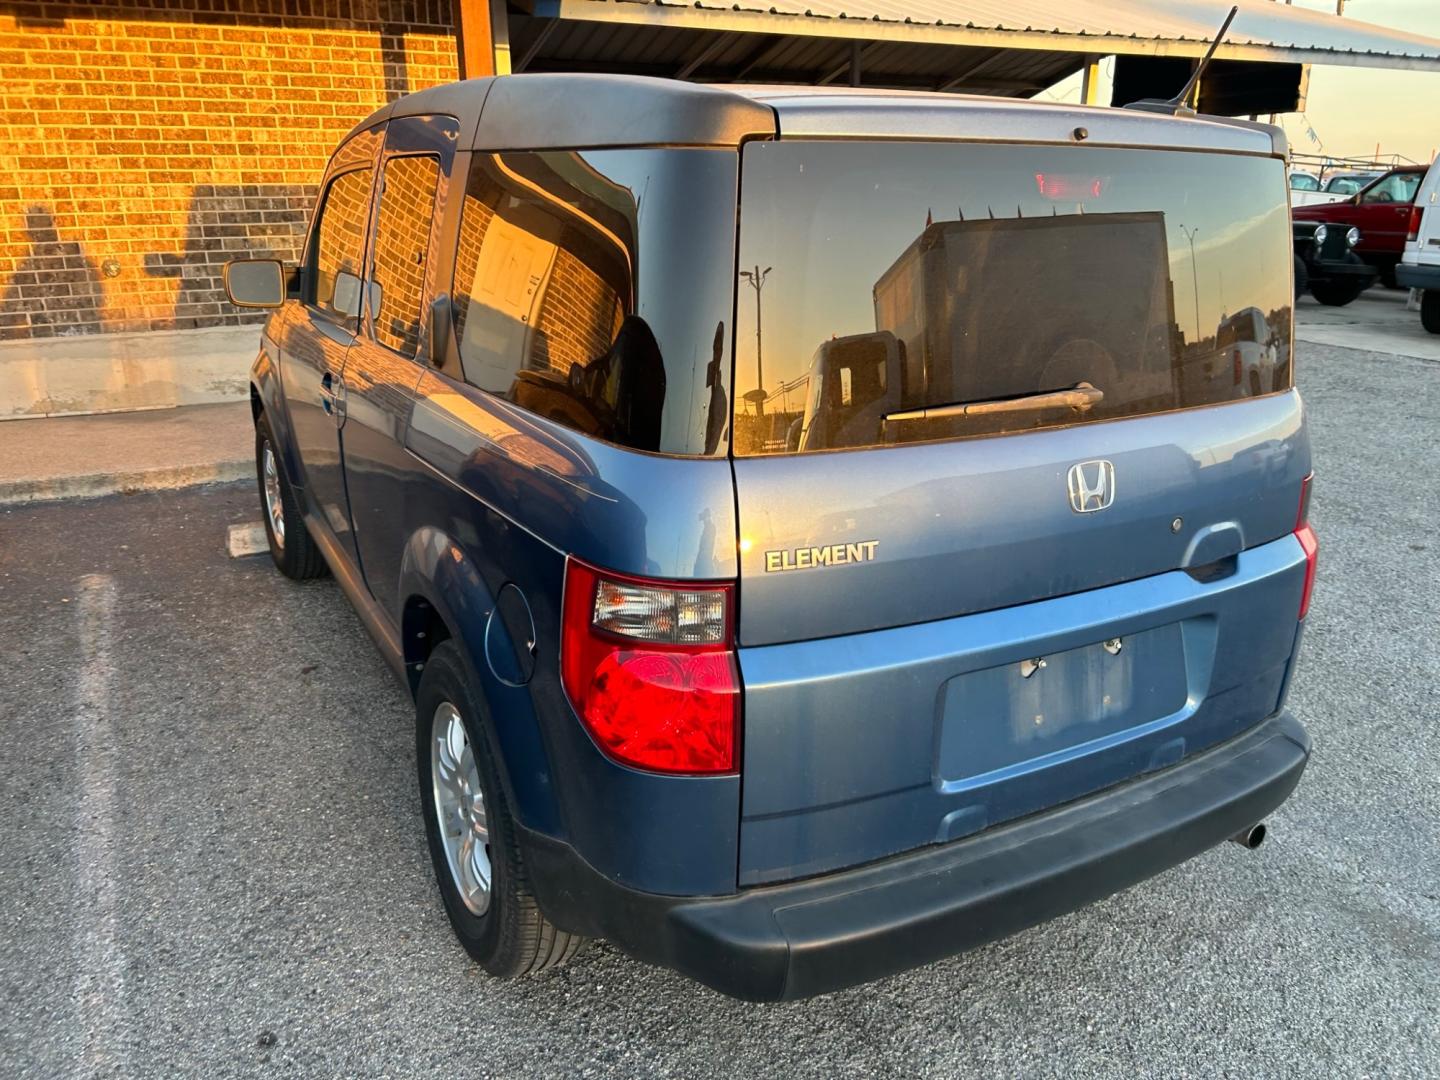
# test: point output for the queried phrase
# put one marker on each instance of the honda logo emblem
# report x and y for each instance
(1092, 486)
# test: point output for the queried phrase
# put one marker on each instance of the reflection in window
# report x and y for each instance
(1395, 188)
(340, 244)
(932, 291)
(402, 238)
(547, 308)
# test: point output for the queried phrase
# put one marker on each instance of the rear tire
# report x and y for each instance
(291, 546)
(501, 925)
(1430, 310)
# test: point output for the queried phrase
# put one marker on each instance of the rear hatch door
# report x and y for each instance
(1011, 528)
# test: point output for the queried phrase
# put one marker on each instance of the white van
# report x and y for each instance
(1420, 265)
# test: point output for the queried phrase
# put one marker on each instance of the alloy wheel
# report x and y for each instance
(274, 503)
(460, 808)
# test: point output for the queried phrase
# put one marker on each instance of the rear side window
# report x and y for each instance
(402, 240)
(903, 292)
(339, 245)
(593, 288)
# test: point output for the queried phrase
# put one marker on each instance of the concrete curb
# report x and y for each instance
(167, 478)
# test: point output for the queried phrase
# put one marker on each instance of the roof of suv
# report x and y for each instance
(571, 111)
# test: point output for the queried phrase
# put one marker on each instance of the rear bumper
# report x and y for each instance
(821, 934)
(1417, 277)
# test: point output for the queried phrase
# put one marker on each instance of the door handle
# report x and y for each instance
(332, 396)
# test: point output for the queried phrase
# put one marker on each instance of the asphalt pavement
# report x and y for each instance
(213, 862)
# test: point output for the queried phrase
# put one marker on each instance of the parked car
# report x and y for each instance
(1326, 263)
(1420, 266)
(789, 712)
(1333, 188)
(1381, 211)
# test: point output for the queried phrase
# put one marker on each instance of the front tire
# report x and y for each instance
(471, 832)
(1302, 277)
(1333, 293)
(291, 546)
(1430, 310)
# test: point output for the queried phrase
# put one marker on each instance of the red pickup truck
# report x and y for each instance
(1385, 213)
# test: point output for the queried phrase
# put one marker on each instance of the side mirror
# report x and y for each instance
(442, 327)
(792, 436)
(255, 283)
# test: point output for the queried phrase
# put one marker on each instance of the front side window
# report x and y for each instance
(402, 241)
(904, 292)
(1304, 182)
(1395, 188)
(593, 288)
(339, 245)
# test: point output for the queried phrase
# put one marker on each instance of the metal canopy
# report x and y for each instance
(1003, 47)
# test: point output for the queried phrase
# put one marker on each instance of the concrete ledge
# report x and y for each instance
(97, 484)
(97, 373)
(1378, 320)
(87, 456)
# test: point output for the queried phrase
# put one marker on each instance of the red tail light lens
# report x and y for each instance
(649, 667)
(1416, 213)
(1309, 542)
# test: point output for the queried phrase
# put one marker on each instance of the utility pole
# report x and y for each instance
(1194, 274)
(756, 278)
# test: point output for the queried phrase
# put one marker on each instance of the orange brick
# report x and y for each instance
(153, 139)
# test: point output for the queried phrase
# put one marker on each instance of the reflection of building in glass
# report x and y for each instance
(407, 208)
(547, 248)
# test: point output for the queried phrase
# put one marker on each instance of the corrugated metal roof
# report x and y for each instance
(1263, 30)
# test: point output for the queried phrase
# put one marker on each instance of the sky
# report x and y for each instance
(1352, 109)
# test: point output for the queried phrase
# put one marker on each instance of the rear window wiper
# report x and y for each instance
(1081, 396)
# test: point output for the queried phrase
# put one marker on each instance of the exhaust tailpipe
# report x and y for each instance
(1250, 838)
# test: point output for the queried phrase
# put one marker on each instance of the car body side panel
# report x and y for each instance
(312, 354)
(443, 572)
(379, 381)
(265, 380)
(630, 512)
(515, 494)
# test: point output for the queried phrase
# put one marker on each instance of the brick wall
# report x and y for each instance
(143, 144)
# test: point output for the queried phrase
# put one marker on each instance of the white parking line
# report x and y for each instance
(249, 539)
(99, 959)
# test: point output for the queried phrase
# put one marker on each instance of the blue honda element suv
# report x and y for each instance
(822, 531)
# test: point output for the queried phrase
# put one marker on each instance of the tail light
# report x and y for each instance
(1416, 213)
(649, 667)
(1308, 542)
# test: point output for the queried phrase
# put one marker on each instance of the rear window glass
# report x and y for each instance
(893, 293)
